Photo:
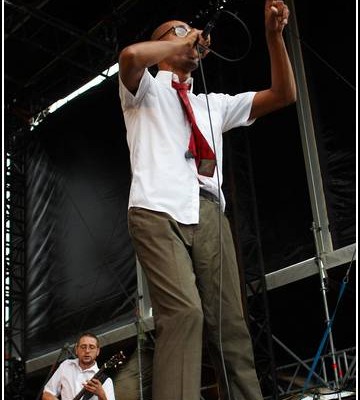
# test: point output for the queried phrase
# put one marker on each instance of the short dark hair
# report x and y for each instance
(90, 334)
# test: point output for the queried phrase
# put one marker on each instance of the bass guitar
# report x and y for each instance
(113, 362)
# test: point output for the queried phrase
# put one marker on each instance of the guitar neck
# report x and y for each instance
(80, 394)
(113, 362)
(83, 391)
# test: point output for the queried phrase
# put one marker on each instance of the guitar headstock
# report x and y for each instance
(114, 361)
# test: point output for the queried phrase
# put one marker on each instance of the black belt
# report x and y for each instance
(209, 196)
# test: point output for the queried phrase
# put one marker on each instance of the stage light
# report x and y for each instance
(36, 120)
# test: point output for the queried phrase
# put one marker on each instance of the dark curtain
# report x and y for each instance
(329, 58)
(81, 271)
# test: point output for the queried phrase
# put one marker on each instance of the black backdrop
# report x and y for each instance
(81, 266)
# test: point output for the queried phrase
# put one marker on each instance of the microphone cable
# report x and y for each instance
(198, 48)
(321, 58)
(248, 34)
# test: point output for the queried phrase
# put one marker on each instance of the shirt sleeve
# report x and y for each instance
(108, 387)
(129, 100)
(53, 385)
(237, 110)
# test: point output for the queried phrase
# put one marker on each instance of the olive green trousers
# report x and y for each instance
(188, 272)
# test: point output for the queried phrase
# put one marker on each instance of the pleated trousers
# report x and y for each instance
(194, 287)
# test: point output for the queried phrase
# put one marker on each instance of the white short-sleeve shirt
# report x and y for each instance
(158, 134)
(67, 381)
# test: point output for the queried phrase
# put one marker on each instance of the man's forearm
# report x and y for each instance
(48, 396)
(282, 76)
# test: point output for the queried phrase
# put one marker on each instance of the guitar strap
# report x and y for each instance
(102, 378)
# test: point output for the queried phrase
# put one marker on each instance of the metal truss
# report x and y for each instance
(86, 54)
(66, 54)
(14, 267)
(291, 377)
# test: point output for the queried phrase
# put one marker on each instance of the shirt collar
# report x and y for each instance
(75, 361)
(167, 76)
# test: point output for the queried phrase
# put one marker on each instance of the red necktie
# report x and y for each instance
(198, 146)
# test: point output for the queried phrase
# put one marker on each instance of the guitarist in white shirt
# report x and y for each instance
(76, 376)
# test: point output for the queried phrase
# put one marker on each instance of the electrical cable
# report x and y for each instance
(220, 226)
(200, 50)
(297, 37)
(326, 63)
(248, 36)
(329, 326)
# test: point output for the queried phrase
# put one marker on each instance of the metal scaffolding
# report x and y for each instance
(252, 270)
(15, 266)
(95, 50)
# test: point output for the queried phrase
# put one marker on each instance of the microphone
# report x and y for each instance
(210, 25)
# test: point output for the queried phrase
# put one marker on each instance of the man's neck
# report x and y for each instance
(86, 366)
(183, 76)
